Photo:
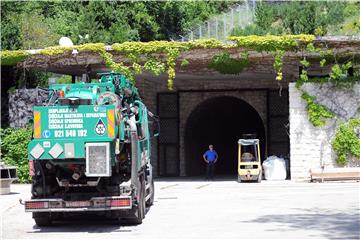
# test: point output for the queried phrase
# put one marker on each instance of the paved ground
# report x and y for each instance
(220, 209)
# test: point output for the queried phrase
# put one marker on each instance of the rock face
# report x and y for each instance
(20, 106)
(344, 102)
(310, 147)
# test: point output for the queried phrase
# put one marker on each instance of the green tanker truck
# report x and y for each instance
(91, 151)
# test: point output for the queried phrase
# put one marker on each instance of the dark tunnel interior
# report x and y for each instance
(220, 121)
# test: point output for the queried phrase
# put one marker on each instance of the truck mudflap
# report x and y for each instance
(94, 204)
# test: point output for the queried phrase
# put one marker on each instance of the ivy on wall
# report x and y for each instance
(318, 114)
(273, 43)
(225, 64)
(9, 58)
(346, 142)
(161, 56)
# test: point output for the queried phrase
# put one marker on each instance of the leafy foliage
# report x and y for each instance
(64, 79)
(14, 150)
(272, 43)
(340, 77)
(154, 66)
(184, 63)
(35, 33)
(275, 44)
(317, 113)
(278, 63)
(304, 17)
(346, 142)
(12, 57)
(225, 64)
(351, 24)
(10, 33)
(37, 24)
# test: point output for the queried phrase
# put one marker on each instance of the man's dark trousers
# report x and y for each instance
(210, 168)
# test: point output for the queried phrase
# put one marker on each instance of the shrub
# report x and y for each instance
(346, 143)
(14, 150)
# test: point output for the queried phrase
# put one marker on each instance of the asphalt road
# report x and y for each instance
(219, 209)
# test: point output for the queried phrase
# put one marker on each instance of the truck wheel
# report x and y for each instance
(141, 203)
(42, 219)
(150, 201)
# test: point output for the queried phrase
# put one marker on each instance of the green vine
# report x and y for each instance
(278, 64)
(9, 58)
(225, 64)
(346, 143)
(339, 75)
(322, 62)
(184, 63)
(155, 67)
(160, 56)
(317, 113)
(171, 51)
(273, 43)
(172, 54)
(305, 63)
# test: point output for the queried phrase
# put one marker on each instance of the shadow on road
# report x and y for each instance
(333, 225)
(89, 224)
(12, 193)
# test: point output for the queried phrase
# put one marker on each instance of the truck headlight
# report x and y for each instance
(98, 160)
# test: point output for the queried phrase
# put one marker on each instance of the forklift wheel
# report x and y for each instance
(259, 177)
(239, 179)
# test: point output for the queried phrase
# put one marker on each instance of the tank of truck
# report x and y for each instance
(91, 151)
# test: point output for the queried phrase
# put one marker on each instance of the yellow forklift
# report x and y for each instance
(249, 162)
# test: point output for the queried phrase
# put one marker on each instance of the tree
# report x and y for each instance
(40, 23)
(299, 17)
(10, 33)
(35, 33)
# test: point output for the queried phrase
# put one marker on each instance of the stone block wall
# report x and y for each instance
(310, 147)
(192, 92)
(20, 107)
(190, 100)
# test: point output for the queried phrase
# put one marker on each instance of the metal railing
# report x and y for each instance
(220, 26)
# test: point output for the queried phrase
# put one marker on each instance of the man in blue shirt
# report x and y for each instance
(210, 157)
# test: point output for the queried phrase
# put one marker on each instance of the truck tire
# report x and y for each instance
(140, 212)
(150, 201)
(42, 219)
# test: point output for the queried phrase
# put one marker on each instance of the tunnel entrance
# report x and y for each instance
(220, 121)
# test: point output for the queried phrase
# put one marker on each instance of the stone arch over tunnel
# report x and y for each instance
(220, 121)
